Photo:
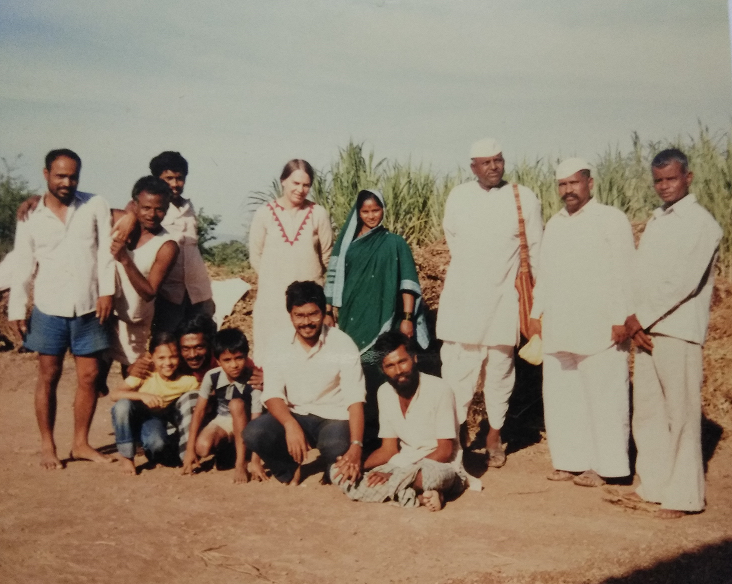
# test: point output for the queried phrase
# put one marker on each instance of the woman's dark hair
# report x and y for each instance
(361, 198)
(168, 160)
(297, 164)
(302, 293)
(161, 338)
(153, 186)
(364, 196)
(232, 340)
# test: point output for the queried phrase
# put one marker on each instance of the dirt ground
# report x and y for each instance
(88, 523)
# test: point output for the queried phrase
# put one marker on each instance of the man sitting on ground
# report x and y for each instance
(314, 392)
(417, 463)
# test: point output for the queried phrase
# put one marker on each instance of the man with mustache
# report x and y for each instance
(417, 463)
(673, 280)
(478, 317)
(68, 238)
(583, 295)
(314, 393)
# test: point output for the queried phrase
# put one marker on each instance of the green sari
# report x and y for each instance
(365, 280)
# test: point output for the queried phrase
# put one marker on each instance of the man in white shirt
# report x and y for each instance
(417, 463)
(186, 291)
(673, 284)
(68, 237)
(478, 317)
(314, 393)
(583, 295)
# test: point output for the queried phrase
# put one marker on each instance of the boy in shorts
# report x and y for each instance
(236, 404)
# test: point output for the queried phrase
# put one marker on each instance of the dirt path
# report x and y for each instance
(90, 524)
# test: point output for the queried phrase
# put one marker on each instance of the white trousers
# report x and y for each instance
(469, 368)
(586, 411)
(667, 424)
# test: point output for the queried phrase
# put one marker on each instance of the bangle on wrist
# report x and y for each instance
(357, 443)
(407, 316)
(328, 313)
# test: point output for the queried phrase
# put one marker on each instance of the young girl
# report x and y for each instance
(141, 408)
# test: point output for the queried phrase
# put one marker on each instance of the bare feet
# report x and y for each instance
(670, 514)
(86, 452)
(49, 460)
(589, 478)
(432, 500)
(296, 477)
(128, 466)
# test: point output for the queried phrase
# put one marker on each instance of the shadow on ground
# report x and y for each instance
(711, 564)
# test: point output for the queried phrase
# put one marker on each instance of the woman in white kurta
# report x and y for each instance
(290, 240)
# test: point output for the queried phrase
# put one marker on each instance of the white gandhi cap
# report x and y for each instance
(570, 166)
(485, 148)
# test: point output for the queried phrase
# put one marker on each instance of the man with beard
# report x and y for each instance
(67, 237)
(314, 393)
(417, 463)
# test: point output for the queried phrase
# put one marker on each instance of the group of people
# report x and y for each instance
(338, 328)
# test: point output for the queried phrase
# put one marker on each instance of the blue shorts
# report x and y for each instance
(54, 335)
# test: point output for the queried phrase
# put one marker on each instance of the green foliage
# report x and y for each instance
(232, 255)
(13, 191)
(206, 226)
(415, 197)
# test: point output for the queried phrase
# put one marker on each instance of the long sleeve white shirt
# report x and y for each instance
(324, 380)
(583, 287)
(674, 270)
(189, 273)
(479, 303)
(75, 264)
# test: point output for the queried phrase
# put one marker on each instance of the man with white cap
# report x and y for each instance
(478, 315)
(582, 295)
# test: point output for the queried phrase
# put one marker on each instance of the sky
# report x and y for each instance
(239, 88)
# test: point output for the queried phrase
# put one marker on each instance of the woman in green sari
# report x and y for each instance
(372, 281)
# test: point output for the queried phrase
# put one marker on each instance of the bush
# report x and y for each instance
(13, 191)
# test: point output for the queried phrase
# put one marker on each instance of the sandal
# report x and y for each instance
(589, 478)
(560, 475)
(496, 457)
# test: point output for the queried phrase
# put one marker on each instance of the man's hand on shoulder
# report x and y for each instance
(142, 368)
(27, 207)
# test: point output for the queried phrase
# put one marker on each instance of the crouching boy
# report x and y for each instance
(236, 404)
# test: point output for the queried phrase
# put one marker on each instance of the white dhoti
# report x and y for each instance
(586, 411)
(667, 424)
(469, 368)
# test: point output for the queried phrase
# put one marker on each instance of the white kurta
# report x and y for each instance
(673, 283)
(583, 286)
(479, 303)
(285, 246)
(582, 290)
